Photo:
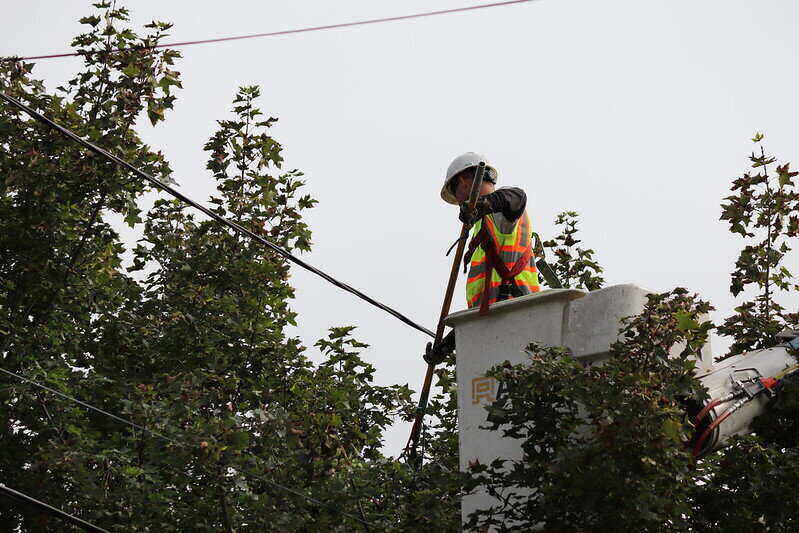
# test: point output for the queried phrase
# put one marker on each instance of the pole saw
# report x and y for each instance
(413, 440)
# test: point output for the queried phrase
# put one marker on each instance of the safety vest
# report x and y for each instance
(507, 257)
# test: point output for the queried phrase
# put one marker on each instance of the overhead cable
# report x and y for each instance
(174, 442)
(232, 225)
(49, 509)
(298, 30)
(85, 405)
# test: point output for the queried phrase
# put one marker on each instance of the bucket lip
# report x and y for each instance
(466, 315)
(736, 360)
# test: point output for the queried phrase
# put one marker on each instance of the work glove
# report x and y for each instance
(481, 209)
(437, 354)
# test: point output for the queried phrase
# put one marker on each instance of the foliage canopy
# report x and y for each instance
(184, 334)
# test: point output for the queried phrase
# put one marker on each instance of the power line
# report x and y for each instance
(299, 30)
(88, 406)
(49, 509)
(232, 225)
(176, 442)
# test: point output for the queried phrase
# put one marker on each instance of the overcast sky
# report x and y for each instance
(636, 113)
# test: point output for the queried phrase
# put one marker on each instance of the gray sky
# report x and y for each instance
(636, 113)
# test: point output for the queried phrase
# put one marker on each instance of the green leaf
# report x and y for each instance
(686, 321)
(92, 21)
(131, 71)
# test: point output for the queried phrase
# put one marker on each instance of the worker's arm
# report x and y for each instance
(510, 201)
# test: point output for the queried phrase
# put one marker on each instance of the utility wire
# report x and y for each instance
(290, 32)
(232, 225)
(49, 509)
(176, 442)
(87, 405)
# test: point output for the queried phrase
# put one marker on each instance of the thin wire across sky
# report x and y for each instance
(241, 230)
(302, 30)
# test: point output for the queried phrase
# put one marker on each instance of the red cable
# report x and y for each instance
(705, 410)
(709, 430)
(770, 383)
(300, 30)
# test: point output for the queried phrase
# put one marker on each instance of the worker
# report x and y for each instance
(499, 257)
(501, 234)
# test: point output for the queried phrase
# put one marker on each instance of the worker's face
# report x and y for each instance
(464, 184)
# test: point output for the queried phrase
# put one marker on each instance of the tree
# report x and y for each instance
(763, 208)
(241, 431)
(60, 261)
(575, 266)
(748, 484)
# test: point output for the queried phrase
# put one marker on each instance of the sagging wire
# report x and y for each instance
(49, 509)
(225, 222)
(180, 444)
(88, 406)
(291, 32)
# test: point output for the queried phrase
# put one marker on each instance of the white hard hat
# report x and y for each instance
(461, 163)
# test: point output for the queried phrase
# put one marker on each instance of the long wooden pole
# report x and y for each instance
(413, 440)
